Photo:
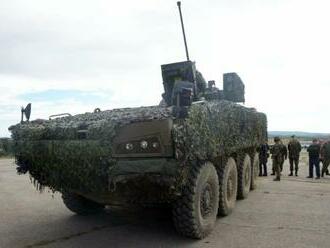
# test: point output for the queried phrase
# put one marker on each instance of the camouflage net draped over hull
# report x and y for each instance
(53, 154)
(60, 165)
(100, 126)
(217, 128)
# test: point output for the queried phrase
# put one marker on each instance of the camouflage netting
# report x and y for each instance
(100, 126)
(53, 154)
(217, 128)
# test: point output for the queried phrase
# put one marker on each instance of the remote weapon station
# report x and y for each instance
(196, 151)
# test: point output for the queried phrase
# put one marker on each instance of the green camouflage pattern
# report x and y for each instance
(325, 150)
(100, 126)
(54, 155)
(217, 128)
(294, 148)
(277, 158)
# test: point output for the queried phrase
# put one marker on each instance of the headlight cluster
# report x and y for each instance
(148, 145)
(129, 146)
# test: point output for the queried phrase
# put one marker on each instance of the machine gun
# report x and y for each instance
(183, 84)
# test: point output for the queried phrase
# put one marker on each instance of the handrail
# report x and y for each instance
(59, 115)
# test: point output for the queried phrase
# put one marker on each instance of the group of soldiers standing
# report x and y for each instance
(318, 152)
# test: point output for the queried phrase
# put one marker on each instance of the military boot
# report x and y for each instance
(277, 179)
(322, 174)
(296, 173)
(327, 172)
(291, 174)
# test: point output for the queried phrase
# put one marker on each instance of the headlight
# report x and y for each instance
(129, 146)
(145, 139)
(144, 144)
(155, 145)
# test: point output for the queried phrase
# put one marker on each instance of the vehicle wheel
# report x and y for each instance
(228, 187)
(244, 176)
(255, 171)
(81, 205)
(195, 212)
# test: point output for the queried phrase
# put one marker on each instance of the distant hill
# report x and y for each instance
(298, 134)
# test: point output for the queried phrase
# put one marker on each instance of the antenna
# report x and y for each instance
(184, 34)
(27, 112)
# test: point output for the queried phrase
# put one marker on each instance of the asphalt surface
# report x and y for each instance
(291, 213)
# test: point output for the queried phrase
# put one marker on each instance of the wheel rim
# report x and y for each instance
(206, 201)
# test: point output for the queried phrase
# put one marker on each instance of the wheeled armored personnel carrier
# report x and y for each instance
(195, 151)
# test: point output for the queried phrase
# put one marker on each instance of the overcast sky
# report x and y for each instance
(73, 56)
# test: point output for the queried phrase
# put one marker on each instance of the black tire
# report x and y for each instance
(195, 212)
(228, 187)
(244, 176)
(80, 205)
(255, 171)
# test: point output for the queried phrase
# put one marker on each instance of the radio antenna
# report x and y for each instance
(183, 32)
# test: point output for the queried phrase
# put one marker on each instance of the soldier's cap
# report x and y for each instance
(276, 138)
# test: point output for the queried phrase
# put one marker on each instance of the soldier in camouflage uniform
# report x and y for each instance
(277, 157)
(263, 157)
(284, 154)
(322, 142)
(294, 148)
(325, 155)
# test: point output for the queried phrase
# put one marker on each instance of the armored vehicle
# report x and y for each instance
(196, 151)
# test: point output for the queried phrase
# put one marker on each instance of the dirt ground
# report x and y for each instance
(291, 213)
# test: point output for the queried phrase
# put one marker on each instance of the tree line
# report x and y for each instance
(6, 147)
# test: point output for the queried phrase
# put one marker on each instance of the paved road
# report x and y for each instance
(291, 213)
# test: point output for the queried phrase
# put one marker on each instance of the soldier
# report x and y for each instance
(277, 157)
(314, 159)
(322, 143)
(284, 155)
(325, 155)
(263, 157)
(294, 148)
(284, 152)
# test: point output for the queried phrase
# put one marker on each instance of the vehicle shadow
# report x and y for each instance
(116, 227)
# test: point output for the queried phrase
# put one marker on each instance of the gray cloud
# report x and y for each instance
(61, 46)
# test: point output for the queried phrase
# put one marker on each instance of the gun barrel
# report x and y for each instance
(183, 31)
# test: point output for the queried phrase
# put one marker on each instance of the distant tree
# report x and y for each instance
(6, 147)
